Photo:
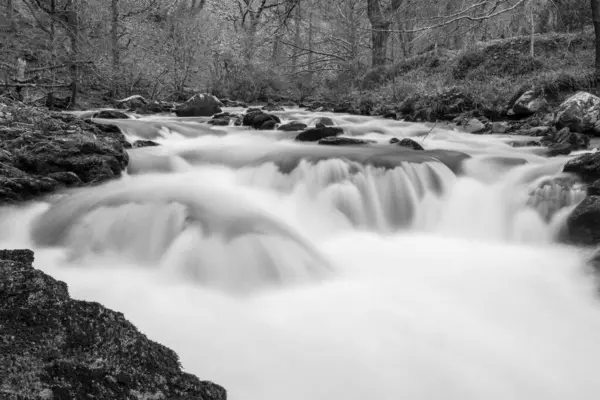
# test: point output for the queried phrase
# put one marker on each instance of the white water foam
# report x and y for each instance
(337, 279)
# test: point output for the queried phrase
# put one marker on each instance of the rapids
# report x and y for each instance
(286, 270)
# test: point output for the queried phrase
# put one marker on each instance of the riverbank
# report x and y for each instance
(52, 346)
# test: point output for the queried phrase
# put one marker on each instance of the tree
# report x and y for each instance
(381, 21)
(596, 20)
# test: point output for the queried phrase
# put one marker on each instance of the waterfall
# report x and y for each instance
(294, 270)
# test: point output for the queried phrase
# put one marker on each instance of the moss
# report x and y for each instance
(73, 349)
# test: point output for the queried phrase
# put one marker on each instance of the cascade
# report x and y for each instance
(293, 270)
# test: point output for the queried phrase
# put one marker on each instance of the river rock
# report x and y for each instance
(528, 104)
(199, 105)
(583, 224)
(144, 143)
(410, 144)
(342, 141)
(268, 125)
(233, 103)
(219, 121)
(575, 141)
(257, 119)
(272, 107)
(500, 127)
(110, 114)
(558, 149)
(580, 113)
(316, 134)
(292, 126)
(586, 166)
(474, 126)
(323, 121)
(536, 131)
(133, 103)
(34, 154)
(55, 347)
(594, 189)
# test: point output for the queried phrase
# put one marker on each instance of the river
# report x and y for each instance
(288, 270)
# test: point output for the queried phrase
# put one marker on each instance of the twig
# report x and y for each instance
(427, 134)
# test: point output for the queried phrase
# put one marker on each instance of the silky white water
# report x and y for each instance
(293, 271)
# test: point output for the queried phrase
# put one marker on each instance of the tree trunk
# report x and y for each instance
(71, 21)
(114, 41)
(310, 45)
(532, 49)
(381, 21)
(10, 15)
(596, 19)
(296, 39)
(380, 36)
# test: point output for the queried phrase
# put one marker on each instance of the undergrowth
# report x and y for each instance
(492, 73)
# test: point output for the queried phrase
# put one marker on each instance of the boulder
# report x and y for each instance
(583, 224)
(322, 121)
(580, 113)
(219, 121)
(199, 105)
(586, 166)
(110, 114)
(292, 126)
(594, 189)
(559, 149)
(394, 140)
(57, 103)
(256, 119)
(316, 134)
(268, 125)
(528, 104)
(272, 107)
(500, 127)
(536, 131)
(575, 141)
(60, 348)
(55, 151)
(410, 144)
(133, 103)
(342, 141)
(232, 103)
(474, 126)
(144, 143)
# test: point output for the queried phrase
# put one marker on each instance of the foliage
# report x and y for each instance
(260, 49)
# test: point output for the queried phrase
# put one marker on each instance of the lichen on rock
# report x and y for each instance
(54, 347)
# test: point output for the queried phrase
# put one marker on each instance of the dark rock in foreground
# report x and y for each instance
(52, 346)
(583, 225)
(41, 151)
(587, 167)
(316, 134)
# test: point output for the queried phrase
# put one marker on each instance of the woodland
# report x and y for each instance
(258, 50)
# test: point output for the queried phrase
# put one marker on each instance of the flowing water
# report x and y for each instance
(286, 270)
